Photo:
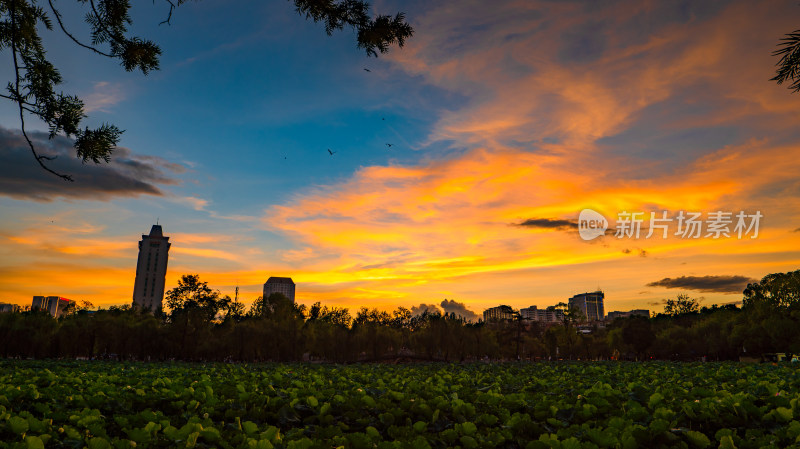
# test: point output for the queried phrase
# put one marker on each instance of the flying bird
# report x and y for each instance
(331, 152)
(389, 145)
(367, 70)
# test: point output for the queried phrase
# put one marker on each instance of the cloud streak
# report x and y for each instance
(715, 284)
(103, 96)
(127, 175)
(549, 223)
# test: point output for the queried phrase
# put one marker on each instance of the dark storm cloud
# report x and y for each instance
(459, 308)
(718, 284)
(128, 174)
(549, 223)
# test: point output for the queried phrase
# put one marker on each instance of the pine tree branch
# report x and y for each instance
(19, 99)
(64, 29)
(169, 16)
(120, 40)
(25, 105)
(789, 64)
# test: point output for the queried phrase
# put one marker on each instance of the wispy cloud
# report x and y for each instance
(549, 223)
(196, 203)
(534, 142)
(718, 284)
(103, 96)
(50, 240)
(205, 253)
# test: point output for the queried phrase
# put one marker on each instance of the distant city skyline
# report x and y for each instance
(286, 286)
(506, 120)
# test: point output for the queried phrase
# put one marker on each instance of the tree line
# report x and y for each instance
(203, 325)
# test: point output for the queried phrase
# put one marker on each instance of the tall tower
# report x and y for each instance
(590, 305)
(151, 270)
(275, 284)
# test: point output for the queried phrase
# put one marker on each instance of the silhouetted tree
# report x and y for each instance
(193, 306)
(193, 295)
(779, 291)
(203, 326)
(681, 305)
(570, 316)
(638, 333)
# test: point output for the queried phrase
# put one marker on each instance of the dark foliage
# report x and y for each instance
(203, 325)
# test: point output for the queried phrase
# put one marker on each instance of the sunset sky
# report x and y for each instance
(506, 119)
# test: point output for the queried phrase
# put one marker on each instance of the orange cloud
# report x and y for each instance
(531, 138)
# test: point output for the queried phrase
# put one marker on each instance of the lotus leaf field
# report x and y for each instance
(103, 405)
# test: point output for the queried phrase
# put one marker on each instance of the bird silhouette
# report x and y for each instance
(389, 145)
(331, 152)
(367, 70)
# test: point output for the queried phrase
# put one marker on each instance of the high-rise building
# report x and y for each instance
(151, 270)
(548, 315)
(532, 313)
(589, 304)
(54, 305)
(284, 286)
(39, 303)
(498, 313)
(8, 308)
